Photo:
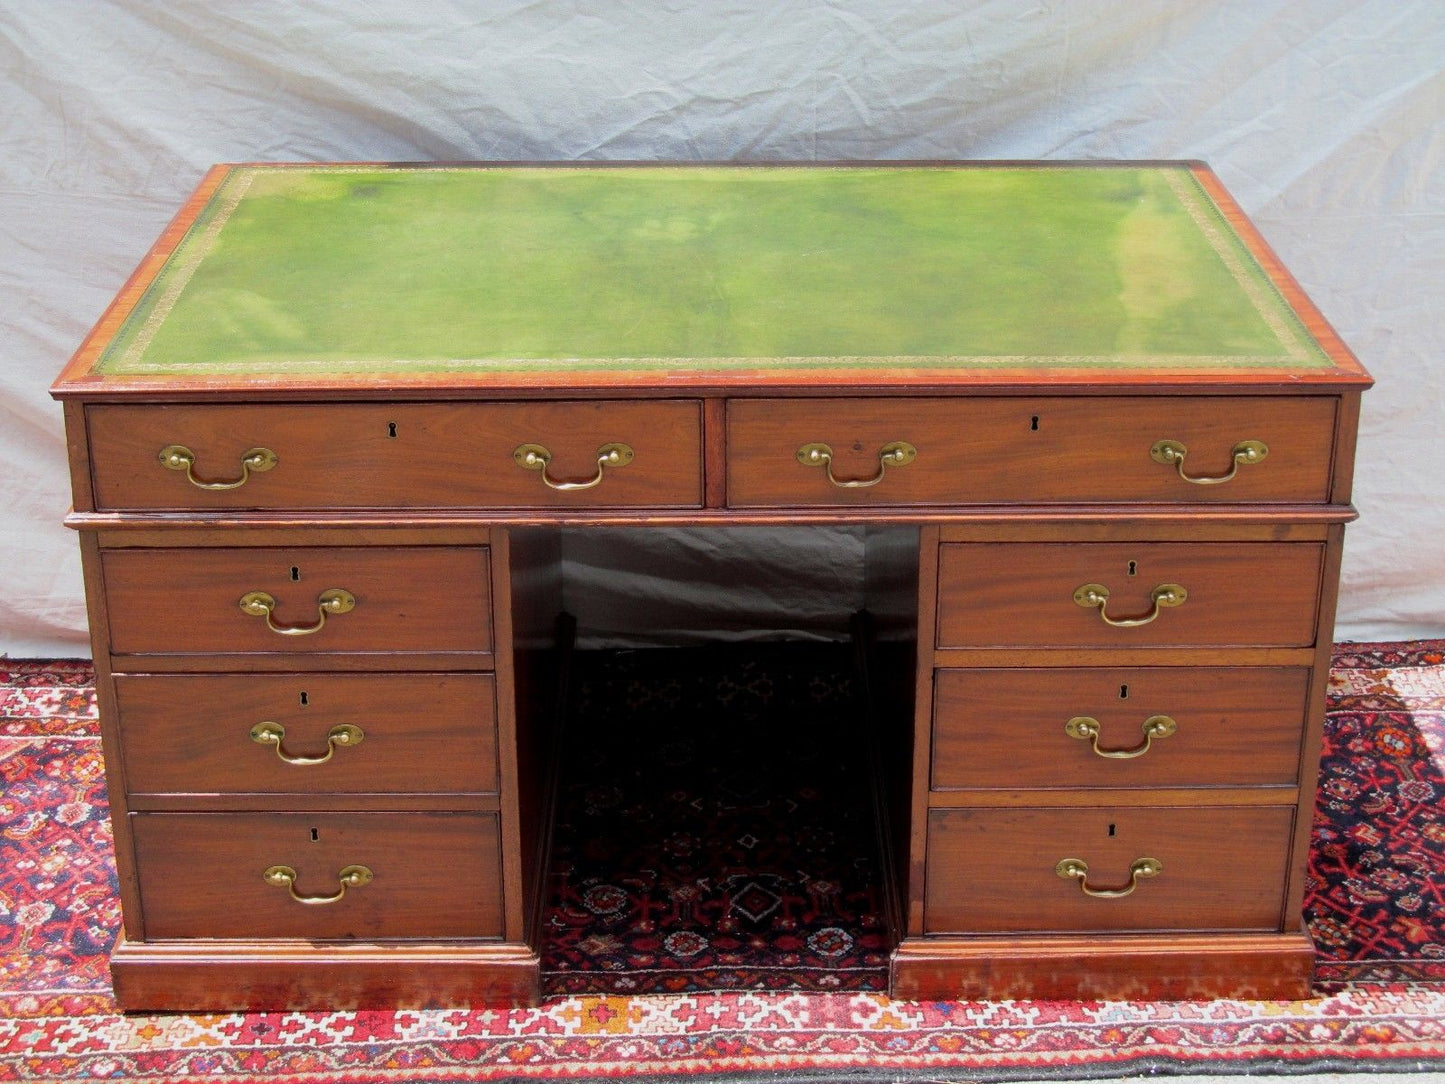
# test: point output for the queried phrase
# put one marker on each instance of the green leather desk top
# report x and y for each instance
(334, 271)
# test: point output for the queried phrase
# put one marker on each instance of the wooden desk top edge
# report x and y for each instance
(78, 380)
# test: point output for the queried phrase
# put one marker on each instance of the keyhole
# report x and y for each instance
(1133, 567)
(295, 574)
(1123, 692)
(316, 836)
(391, 429)
(304, 698)
(1034, 423)
(1111, 830)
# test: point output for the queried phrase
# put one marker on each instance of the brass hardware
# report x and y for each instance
(255, 461)
(274, 734)
(332, 601)
(898, 453)
(536, 457)
(1086, 728)
(1077, 869)
(1096, 596)
(285, 877)
(1172, 453)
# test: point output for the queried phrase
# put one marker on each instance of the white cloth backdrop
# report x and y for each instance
(1324, 119)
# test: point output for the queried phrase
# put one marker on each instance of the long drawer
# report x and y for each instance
(1035, 450)
(1072, 727)
(299, 600)
(319, 875)
(308, 733)
(1128, 594)
(397, 455)
(1214, 868)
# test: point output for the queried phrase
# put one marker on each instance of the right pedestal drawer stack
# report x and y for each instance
(1118, 723)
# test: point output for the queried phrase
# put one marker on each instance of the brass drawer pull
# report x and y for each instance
(332, 601)
(898, 453)
(1078, 869)
(255, 461)
(285, 877)
(1096, 596)
(274, 734)
(536, 457)
(1086, 728)
(1172, 453)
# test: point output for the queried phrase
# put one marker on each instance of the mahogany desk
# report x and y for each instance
(324, 442)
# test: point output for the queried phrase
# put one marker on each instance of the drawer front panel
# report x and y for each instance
(994, 870)
(1009, 451)
(433, 875)
(1226, 726)
(378, 733)
(407, 455)
(180, 601)
(1023, 594)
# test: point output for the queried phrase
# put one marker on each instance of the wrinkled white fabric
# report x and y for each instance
(1324, 119)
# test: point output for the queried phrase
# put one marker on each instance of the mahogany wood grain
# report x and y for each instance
(150, 532)
(992, 870)
(1022, 594)
(921, 738)
(191, 733)
(1273, 794)
(1104, 967)
(1314, 728)
(110, 743)
(1133, 526)
(397, 455)
(715, 452)
(436, 875)
(77, 448)
(1254, 517)
(255, 975)
(1342, 474)
(982, 451)
(1237, 726)
(1125, 656)
(182, 601)
(500, 567)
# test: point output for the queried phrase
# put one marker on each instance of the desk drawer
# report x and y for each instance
(385, 733)
(396, 455)
(1221, 726)
(1024, 594)
(995, 870)
(188, 601)
(1009, 451)
(433, 875)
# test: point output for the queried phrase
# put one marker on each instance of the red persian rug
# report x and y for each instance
(804, 947)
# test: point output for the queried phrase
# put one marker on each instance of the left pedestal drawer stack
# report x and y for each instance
(303, 727)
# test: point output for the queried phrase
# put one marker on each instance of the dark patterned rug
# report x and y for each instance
(1374, 906)
(715, 826)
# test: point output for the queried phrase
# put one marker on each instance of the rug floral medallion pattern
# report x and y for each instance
(1374, 908)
